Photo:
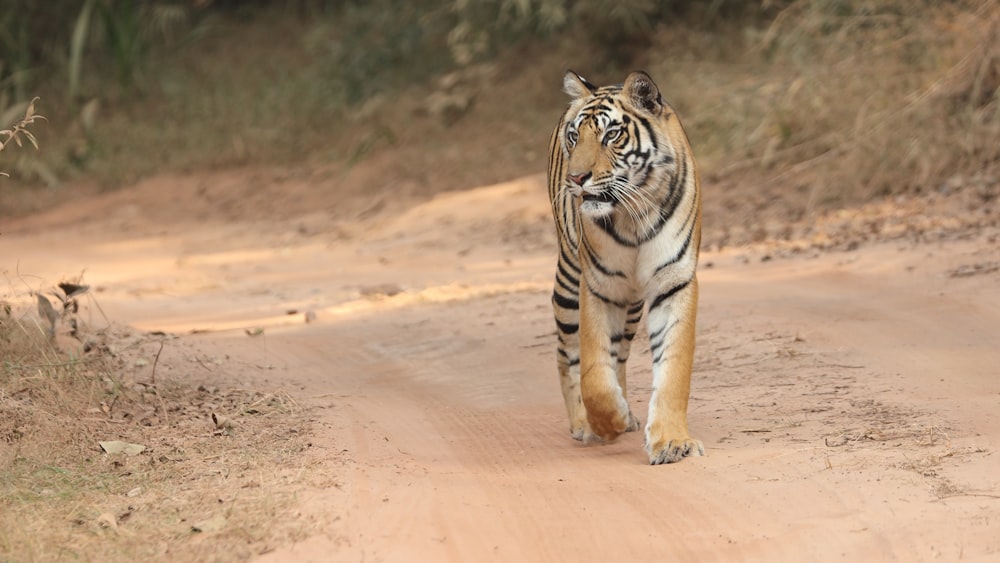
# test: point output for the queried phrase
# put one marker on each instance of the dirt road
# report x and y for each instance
(849, 402)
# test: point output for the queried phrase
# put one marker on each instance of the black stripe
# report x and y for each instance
(595, 261)
(643, 155)
(636, 308)
(687, 240)
(607, 300)
(654, 230)
(616, 338)
(567, 328)
(574, 280)
(569, 361)
(656, 333)
(661, 336)
(668, 294)
(655, 343)
(680, 253)
(567, 259)
(670, 204)
(649, 130)
(658, 358)
(599, 105)
(608, 226)
(662, 345)
(565, 302)
(676, 194)
(567, 286)
(691, 211)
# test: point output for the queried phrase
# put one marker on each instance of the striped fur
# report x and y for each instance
(627, 207)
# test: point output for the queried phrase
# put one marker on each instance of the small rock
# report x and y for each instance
(107, 521)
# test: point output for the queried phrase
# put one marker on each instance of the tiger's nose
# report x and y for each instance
(579, 179)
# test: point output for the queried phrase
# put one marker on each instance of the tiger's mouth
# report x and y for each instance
(604, 196)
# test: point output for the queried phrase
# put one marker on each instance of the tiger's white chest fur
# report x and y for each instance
(663, 260)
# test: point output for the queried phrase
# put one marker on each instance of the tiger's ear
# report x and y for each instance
(642, 92)
(577, 86)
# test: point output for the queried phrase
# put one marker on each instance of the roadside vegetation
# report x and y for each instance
(842, 99)
(117, 445)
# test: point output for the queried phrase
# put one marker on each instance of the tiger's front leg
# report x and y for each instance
(601, 325)
(671, 341)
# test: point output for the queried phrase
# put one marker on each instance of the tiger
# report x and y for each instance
(626, 200)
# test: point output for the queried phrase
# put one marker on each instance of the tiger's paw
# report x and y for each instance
(633, 422)
(581, 432)
(609, 424)
(673, 450)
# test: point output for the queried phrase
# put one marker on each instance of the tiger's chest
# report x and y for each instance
(629, 271)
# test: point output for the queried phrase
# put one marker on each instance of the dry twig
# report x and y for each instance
(20, 129)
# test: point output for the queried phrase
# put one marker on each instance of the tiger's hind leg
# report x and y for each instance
(569, 379)
(566, 307)
(632, 318)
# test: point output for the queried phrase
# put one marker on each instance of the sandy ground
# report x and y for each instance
(849, 402)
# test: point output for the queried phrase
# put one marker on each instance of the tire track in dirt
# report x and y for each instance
(487, 471)
(815, 451)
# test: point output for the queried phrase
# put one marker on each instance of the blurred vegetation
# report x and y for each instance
(848, 98)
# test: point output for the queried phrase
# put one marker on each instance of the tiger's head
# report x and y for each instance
(615, 144)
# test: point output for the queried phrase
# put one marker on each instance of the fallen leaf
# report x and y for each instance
(222, 421)
(118, 447)
(213, 524)
(72, 290)
(48, 313)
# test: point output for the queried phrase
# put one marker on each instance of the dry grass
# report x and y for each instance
(826, 104)
(216, 478)
(19, 130)
(843, 105)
